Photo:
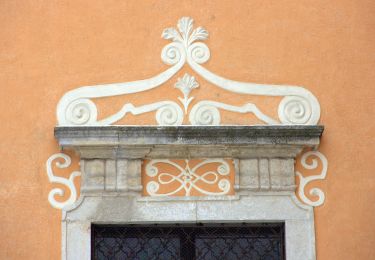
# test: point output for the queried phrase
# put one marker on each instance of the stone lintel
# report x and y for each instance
(137, 142)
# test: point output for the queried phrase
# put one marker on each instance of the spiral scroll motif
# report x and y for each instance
(202, 114)
(223, 169)
(172, 53)
(81, 112)
(152, 170)
(298, 105)
(170, 114)
(152, 187)
(224, 185)
(294, 110)
(69, 183)
(199, 52)
(305, 180)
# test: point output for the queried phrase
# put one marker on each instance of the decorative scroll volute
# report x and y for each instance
(61, 160)
(312, 161)
(297, 105)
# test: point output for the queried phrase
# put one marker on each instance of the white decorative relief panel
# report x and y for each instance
(188, 178)
(255, 174)
(69, 183)
(303, 181)
(298, 106)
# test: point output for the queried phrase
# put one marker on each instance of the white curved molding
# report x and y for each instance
(76, 204)
(187, 178)
(298, 106)
(69, 183)
(76, 108)
(303, 181)
(168, 113)
(207, 113)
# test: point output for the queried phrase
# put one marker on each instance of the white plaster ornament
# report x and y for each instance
(186, 85)
(76, 108)
(303, 181)
(69, 183)
(298, 106)
(188, 178)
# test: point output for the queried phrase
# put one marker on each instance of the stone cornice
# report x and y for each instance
(191, 141)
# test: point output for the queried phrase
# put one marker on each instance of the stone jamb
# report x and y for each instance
(110, 191)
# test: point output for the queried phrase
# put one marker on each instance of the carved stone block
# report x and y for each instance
(249, 174)
(129, 175)
(110, 175)
(93, 173)
(282, 174)
(264, 173)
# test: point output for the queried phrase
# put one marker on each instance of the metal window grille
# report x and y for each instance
(189, 242)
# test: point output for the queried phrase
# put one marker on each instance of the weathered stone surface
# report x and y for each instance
(110, 175)
(249, 174)
(94, 174)
(132, 135)
(264, 156)
(264, 173)
(280, 173)
(253, 207)
(188, 141)
(129, 175)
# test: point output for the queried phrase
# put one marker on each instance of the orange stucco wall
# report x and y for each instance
(50, 47)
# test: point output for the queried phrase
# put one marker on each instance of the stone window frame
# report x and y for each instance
(110, 191)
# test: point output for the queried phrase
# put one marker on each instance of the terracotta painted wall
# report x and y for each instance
(50, 47)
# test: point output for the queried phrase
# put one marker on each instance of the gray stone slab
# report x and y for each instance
(188, 141)
(198, 135)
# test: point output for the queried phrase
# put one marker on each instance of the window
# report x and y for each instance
(184, 241)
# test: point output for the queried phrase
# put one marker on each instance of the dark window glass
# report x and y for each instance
(189, 242)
